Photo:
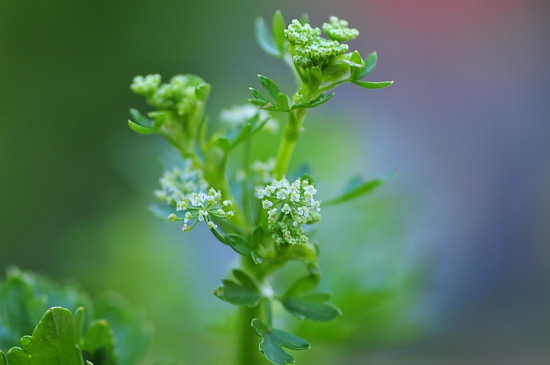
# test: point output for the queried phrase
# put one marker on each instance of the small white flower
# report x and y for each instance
(260, 193)
(211, 225)
(181, 205)
(286, 209)
(272, 213)
(294, 197)
(202, 214)
(266, 204)
(220, 212)
(230, 214)
(227, 203)
(316, 205)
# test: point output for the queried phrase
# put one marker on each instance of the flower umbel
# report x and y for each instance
(199, 207)
(181, 182)
(289, 205)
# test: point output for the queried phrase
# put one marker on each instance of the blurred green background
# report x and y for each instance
(448, 263)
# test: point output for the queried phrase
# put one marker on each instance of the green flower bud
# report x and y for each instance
(338, 30)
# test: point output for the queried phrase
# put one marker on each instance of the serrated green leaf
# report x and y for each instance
(140, 129)
(98, 345)
(313, 306)
(356, 65)
(269, 86)
(282, 102)
(238, 243)
(273, 340)
(303, 285)
(278, 30)
(162, 210)
(241, 292)
(25, 297)
(356, 188)
(265, 38)
(53, 342)
(370, 63)
(202, 91)
(244, 279)
(372, 85)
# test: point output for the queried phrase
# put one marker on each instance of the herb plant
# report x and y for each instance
(262, 210)
(259, 211)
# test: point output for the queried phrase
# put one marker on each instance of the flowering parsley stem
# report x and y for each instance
(290, 137)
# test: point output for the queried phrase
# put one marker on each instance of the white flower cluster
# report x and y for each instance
(199, 207)
(288, 206)
(180, 182)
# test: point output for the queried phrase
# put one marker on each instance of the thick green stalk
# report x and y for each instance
(290, 137)
(248, 352)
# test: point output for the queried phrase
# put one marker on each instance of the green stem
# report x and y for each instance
(290, 137)
(248, 352)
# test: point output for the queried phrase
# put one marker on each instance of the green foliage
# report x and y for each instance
(59, 338)
(270, 215)
(241, 291)
(300, 302)
(273, 340)
(53, 342)
(24, 297)
(98, 345)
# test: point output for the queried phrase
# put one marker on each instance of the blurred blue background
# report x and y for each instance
(452, 255)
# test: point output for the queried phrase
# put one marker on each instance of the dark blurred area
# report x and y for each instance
(459, 239)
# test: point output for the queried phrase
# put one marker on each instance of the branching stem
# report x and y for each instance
(290, 137)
